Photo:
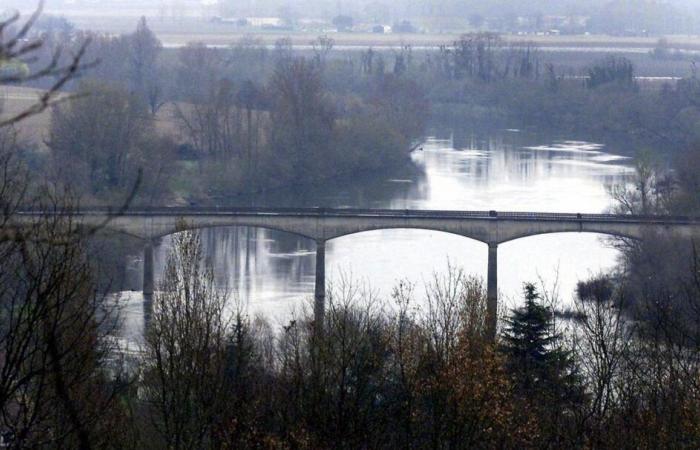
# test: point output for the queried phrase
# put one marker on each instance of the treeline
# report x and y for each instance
(480, 78)
(207, 123)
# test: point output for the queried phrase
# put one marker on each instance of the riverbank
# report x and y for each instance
(663, 121)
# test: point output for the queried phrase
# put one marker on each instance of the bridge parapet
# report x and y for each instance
(325, 224)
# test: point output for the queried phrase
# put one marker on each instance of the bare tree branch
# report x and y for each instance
(20, 47)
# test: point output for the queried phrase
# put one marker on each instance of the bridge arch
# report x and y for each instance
(588, 232)
(479, 239)
(186, 226)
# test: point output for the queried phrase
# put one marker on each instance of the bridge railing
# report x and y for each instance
(394, 213)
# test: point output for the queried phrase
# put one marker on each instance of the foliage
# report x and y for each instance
(545, 374)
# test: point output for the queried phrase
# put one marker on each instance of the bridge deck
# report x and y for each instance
(384, 213)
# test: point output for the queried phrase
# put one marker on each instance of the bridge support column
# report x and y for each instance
(492, 292)
(320, 289)
(148, 274)
(148, 283)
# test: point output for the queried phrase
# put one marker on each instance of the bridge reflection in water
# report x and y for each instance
(321, 225)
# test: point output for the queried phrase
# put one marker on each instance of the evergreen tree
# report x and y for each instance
(541, 367)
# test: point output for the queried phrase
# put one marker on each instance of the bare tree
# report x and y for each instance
(102, 138)
(198, 72)
(641, 197)
(143, 65)
(54, 389)
(302, 117)
(251, 98)
(184, 374)
(332, 379)
(214, 123)
(18, 45)
(447, 300)
(322, 47)
(475, 56)
(602, 340)
(522, 60)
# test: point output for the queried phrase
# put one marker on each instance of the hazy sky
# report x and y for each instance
(524, 6)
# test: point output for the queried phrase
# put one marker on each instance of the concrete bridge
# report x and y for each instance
(321, 225)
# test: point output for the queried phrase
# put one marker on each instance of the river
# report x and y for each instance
(507, 170)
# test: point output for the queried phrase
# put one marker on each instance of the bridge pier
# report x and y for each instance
(492, 292)
(320, 289)
(148, 281)
(148, 271)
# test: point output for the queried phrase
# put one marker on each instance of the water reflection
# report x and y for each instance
(273, 272)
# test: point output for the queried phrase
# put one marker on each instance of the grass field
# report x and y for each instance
(14, 100)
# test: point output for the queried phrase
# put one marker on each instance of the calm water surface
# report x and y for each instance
(507, 170)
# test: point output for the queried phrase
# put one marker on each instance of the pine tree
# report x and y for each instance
(544, 372)
(538, 361)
